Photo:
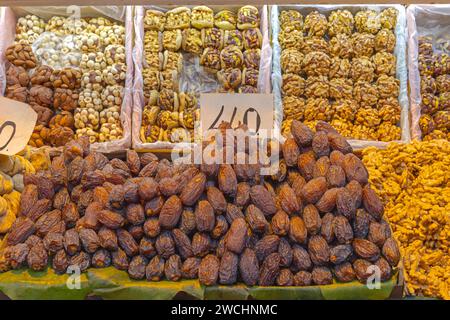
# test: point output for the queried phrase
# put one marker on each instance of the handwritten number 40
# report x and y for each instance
(244, 120)
(2, 128)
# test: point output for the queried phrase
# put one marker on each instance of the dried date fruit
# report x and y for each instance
(101, 195)
(136, 268)
(216, 199)
(53, 242)
(297, 230)
(242, 198)
(256, 219)
(362, 269)
(249, 267)
(318, 250)
(306, 163)
(290, 151)
(365, 249)
(149, 170)
(355, 190)
(151, 227)
(172, 268)
(372, 203)
(267, 245)
(327, 202)
(321, 275)
(90, 219)
(288, 200)
(312, 219)
(335, 176)
(201, 244)
(165, 245)
(89, 240)
(342, 230)
(82, 260)
(86, 198)
(345, 204)
(147, 248)
(107, 239)
(75, 170)
(339, 143)
(208, 271)
(71, 242)
(361, 224)
(189, 269)
(263, 199)
(269, 270)
(187, 222)
(170, 186)
(183, 243)
(133, 162)
(28, 199)
(220, 228)
(120, 259)
(302, 134)
(47, 222)
(116, 197)
(344, 272)
(131, 192)
(236, 236)
(385, 269)
(285, 278)
(135, 214)
(285, 251)
(101, 259)
(154, 206)
(377, 233)
(302, 279)
(137, 232)
(171, 212)
(16, 255)
(110, 219)
(92, 179)
(155, 269)
(340, 253)
(204, 216)
(314, 189)
(233, 212)
(37, 257)
(60, 262)
(21, 229)
(355, 169)
(320, 144)
(280, 223)
(193, 190)
(228, 268)
(300, 258)
(127, 242)
(62, 197)
(391, 252)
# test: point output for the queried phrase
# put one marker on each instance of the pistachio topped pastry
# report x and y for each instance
(248, 17)
(225, 20)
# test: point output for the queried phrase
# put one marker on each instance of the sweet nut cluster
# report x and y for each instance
(29, 28)
(340, 64)
(434, 67)
(228, 45)
(21, 55)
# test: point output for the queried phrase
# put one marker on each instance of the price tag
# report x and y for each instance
(254, 110)
(17, 121)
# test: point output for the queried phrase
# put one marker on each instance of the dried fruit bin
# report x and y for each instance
(196, 82)
(429, 70)
(105, 110)
(399, 53)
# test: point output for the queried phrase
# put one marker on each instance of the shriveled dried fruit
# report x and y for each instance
(320, 144)
(201, 244)
(170, 212)
(302, 134)
(362, 269)
(372, 203)
(318, 250)
(193, 190)
(189, 269)
(71, 241)
(228, 268)
(285, 251)
(127, 242)
(312, 219)
(110, 219)
(288, 200)
(236, 236)
(262, 199)
(216, 199)
(280, 223)
(89, 240)
(302, 279)
(300, 258)
(344, 272)
(321, 275)
(20, 231)
(297, 230)
(37, 257)
(136, 268)
(306, 163)
(220, 228)
(270, 269)
(227, 180)
(256, 219)
(107, 239)
(267, 245)
(290, 152)
(391, 252)
(355, 169)
(327, 202)
(342, 230)
(172, 268)
(340, 253)
(120, 260)
(183, 243)
(133, 162)
(204, 216)
(285, 278)
(314, 189)
(208, 271)
(155, 269)
(242, 198)
(365, 249)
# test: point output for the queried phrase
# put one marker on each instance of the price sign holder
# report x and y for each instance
(17, 121)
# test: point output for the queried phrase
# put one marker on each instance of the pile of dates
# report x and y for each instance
(315, 221)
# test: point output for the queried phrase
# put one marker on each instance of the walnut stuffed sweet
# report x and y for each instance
(225, 20)
(150, 133)
(44, 114)
(316, 24)
(41, 95)
(63, 119)
(436, 135)
(291, 19)
(316, 63)
(172, 39)
(290, 39)
(65, 99)
(168, 100)
(339, 68)
(67, 78)
(441, 64)
(367, 21)
(341, 88)
(252, 58)
(311, 44)
(230, 78)
(318, 109)
(389, 110)
(233, 38)
(368, 117)
(365, 93)
(363, 44)
(442, 120)
(362, 69)
(388, 18)
(317, 87)
(172, 61)
(425, 44)
(202, 17)
(169, 80)
(192, 41)
(385, 41)
(388, 86)
(252, 38)
(292, 85)
(444, 101)
(21, 55)
(17, 75)
(212, 38)
(340, 22)
(151, 79)
(168, 119)
(154, 20)
(345, 109)
(210, 60)
(250, 77)
(341, 46)
(291, 61)
(17, 92)
(385, 63)
(188, 101)
(42, 76)
(231, 57)
(443, 83)
(150, 114)
(293, 108)
(428, 85)
(58, 136)
(178, 18)
(430, 103)
(426, 65)
(248, 17)
(247, 89)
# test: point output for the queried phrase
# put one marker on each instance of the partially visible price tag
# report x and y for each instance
(254, 110)
(17, 121)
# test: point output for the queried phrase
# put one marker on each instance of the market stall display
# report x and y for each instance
(184, 51)
(429, 71)
(344, 65)
(74, 72)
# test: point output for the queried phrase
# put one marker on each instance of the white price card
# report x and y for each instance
(17, 121)
(254, 110)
